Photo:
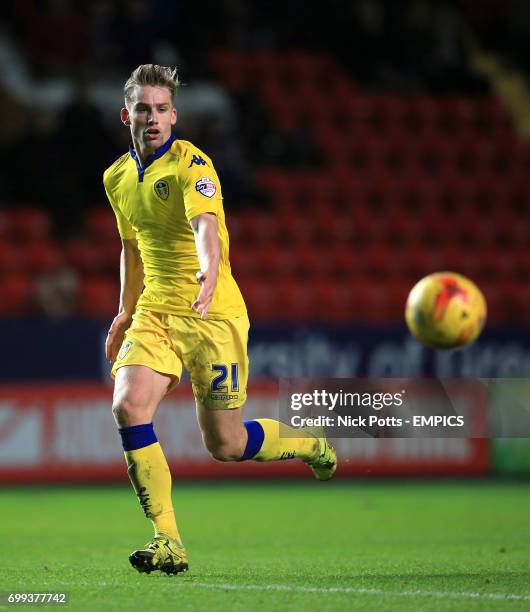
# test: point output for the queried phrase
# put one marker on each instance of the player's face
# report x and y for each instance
(150, 115)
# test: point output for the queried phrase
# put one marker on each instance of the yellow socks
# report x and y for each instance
(150, 477)
(270, 440)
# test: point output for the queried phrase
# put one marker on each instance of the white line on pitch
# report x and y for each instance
(358, 591)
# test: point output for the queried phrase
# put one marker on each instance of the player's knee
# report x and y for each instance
(223, 451)
(126, 411)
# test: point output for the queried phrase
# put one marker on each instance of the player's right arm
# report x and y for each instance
(132, 284)
(131, 268)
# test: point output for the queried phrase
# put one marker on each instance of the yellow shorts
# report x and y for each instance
(214, 353)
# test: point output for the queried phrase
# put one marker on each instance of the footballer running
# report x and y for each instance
(180, 307)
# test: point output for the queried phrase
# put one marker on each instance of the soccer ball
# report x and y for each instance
(445, 310)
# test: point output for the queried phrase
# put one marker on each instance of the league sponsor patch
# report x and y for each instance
(206, 186)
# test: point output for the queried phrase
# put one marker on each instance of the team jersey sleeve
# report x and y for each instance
(201, 189)
(125, 229)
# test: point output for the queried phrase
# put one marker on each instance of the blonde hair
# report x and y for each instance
(154, 75)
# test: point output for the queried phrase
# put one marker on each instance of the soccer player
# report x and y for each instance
(179, 307)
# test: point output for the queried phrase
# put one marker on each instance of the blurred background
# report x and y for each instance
(360, 145)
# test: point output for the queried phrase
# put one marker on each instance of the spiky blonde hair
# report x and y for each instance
(154, 75)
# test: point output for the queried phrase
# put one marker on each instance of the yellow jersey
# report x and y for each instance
(153, 204)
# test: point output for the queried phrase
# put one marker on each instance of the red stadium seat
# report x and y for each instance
(257, 226)
(423, 113)
(492, 117)
(522, 270)
(420, 260)
(16, 294)
(100, 224)
(244, 263)
(501, 264)
(340, 261)
(29, 223)
(296, 300)
(334, 301)
(87, 256)
(331, 226)
(457, 112)
(12, 257)
(4, 223)
(233, 68)
(43, 256)
(370, 302)
(99, 297)
(380, 261)
(294, 225)
(262, 300)
(274, 262)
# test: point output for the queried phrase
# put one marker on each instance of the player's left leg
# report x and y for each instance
(228, 438)
(219, 372)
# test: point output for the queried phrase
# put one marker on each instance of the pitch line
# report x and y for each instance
(357, 591)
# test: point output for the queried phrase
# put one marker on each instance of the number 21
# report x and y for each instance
(217, 382)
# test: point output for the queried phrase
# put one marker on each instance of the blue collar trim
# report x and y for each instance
(158, 153)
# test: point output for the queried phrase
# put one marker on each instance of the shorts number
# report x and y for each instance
(217, 382)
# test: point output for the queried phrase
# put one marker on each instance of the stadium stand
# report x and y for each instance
(398, 184)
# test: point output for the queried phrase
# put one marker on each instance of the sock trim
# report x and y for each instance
(256, 435)
(137, 436)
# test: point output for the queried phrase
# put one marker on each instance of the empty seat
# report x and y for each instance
(87, 256)
(12, 257)
(43, 256)
(100, 224)
(99, 297)
(29, 223)
(16, 295)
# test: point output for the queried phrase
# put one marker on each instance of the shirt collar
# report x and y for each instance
(155, 155)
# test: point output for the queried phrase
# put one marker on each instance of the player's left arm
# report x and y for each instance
(207, 242)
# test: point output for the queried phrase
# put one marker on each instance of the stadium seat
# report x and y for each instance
(4, 224)
(457, 112)
(99, 297)
(86, 256)
(100, 224)
(232, 68)
(257, 226)
(422, 113)
(335, 301)
(274, 261)
(492, 118)
(16, 295)
(261, 300)
(43, 256)
(29, 223)
(296, 300)
(12, 257)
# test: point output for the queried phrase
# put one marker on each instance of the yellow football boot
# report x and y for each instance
(161, 553)
(325, 462)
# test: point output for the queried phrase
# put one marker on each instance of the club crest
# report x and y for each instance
(125, 347)
(162, 189)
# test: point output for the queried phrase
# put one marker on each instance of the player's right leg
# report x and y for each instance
(138, 391)
(145, 369)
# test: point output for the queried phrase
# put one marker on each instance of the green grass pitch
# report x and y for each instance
(291, 546)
